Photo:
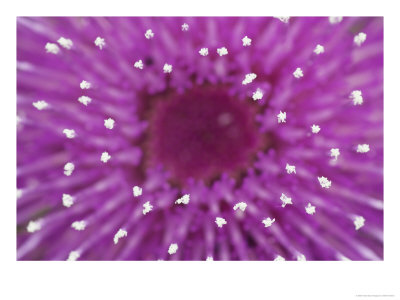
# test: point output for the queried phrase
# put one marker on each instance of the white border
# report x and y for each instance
(197, 280)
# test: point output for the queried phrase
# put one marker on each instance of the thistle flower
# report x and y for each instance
(139, 138)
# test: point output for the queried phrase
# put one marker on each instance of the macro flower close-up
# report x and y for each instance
(200, 138)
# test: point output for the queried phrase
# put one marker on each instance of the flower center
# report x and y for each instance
(202, 133)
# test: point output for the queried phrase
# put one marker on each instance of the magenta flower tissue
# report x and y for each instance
(204, 138)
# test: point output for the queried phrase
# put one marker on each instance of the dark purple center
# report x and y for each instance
(202, 134)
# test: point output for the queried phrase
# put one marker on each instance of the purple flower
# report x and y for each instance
(200, 138)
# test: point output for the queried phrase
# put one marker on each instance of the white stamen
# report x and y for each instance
(335, 20)
(79, 225)
(105, 157)
(310, 209)
(279, 258)
(19, 120)
(363, 148)
(66, 43)
(41, 104)
(283, 19)
(100, 42)
(319, 49)
(52, 48)
(290, 169)
(183, 200)
(149, 34)
(268, 222)
(147, 207)
(69, 168)
(357, 97)
(167, 68)
(209, 258)
(220, 222)
(85, 100)
(335, 152)
(257, 95)
(360, 38)
(241, 205)
(298, 73)
(341, 257)
(120, 234)
(285, 200)
(281, 117)
(203, 51)
(301, 257)
(359, 222)
(67, 200)
(85, 85)
(109, 123)
(138, 64)
(172, 249)
(315, 128)
(20, 192)
(73, 255)
(324, 182)
(185, 27)
(70, 133)
(222, 51)
(249, 78)
(137, 191)
(34, 226)
(246, 41)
